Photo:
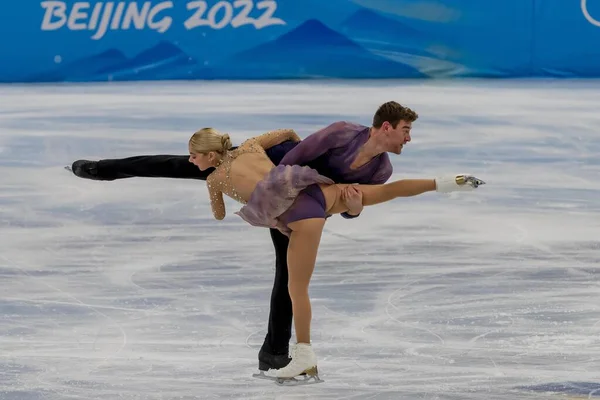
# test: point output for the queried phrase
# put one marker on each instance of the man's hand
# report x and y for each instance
(352, 198)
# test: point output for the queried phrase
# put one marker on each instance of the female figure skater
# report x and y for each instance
(296, 200)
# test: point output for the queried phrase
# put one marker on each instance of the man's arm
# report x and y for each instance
(276, 153)
(317, 144)
(347, 215)
(381, 176)
(273, 138)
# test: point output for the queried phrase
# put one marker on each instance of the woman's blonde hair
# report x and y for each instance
(209, 139)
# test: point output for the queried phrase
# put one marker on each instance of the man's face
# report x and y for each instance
(396, 137)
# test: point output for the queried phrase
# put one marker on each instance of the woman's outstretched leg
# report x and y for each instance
(302, 256)
(376, 194)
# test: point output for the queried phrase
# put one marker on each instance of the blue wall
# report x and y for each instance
(49, 41)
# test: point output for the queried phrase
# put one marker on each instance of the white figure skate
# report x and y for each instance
(456, 183)
(301, 370)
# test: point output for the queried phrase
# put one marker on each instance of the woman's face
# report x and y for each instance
(201, 160)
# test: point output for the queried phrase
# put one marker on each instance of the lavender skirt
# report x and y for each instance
(275, 194)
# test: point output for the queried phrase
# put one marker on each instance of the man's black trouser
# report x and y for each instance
(170, 166)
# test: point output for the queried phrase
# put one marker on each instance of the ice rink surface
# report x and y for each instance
(131, 290)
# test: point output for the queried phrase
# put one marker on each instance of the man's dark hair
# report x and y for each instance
(393, 113)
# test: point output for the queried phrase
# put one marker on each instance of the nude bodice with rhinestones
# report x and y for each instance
(241, 169)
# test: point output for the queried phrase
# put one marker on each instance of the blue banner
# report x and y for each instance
(54, 41)
(566, 38)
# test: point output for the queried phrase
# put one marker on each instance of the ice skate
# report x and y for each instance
(302, 369)
(84, 169)
(272, 362)
(469, 180)
(456, 183)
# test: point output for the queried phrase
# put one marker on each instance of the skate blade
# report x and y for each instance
(469, 180)
(299, 380)
(308, 377)
(262, 375)
(296, 381)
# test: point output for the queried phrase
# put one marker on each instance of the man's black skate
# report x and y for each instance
(267, 361)
(85, 169)
(90, 170)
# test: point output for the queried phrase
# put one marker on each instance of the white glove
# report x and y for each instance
(456, 183)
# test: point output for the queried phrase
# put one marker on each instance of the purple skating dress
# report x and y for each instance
(278, 192)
